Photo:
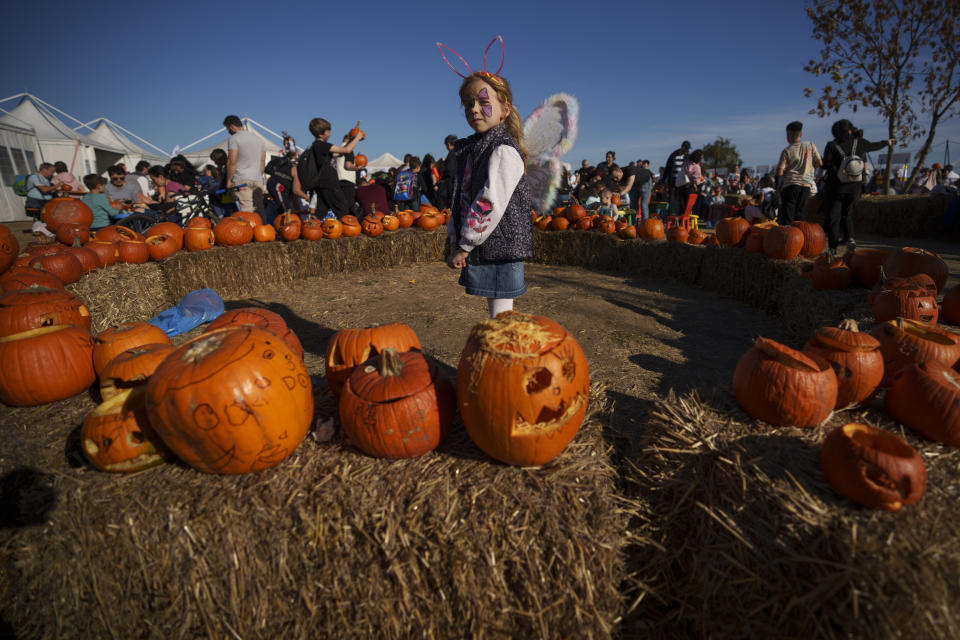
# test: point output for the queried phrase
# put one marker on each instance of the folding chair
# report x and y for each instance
(686, 221)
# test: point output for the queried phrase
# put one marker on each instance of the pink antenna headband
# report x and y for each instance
(503, 57)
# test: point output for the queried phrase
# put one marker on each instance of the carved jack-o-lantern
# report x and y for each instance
(117, 436)
(348, 348)
(234, 400)
(523, 385)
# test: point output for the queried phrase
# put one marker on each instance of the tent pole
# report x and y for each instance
(182, 149)
(76, 147)
(19, 95)
(111, 122)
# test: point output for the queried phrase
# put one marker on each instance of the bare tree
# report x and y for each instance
(940, 92)
(870, 55)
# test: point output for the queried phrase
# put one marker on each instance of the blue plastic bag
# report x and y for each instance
(195, 308)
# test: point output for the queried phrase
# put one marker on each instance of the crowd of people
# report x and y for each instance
(239, 178)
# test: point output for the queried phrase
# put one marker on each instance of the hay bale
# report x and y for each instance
(123, 293)
(230, 271)
(402, 247)
(751, 278)
(578, 249)
(747, 540)
(330, 543)
(672, 260)
(803, 309)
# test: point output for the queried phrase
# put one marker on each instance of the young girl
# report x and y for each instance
(607, 208)
(490, 230)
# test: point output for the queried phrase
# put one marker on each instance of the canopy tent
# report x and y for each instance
(201, 157)
(19, 153)
(111, 134)
(57, 141)
(384, 162)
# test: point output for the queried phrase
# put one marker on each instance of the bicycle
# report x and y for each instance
(194, 203)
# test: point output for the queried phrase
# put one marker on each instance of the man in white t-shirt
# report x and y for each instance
(246, 156)
(796, 174)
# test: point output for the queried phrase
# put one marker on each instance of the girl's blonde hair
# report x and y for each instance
(504, 94)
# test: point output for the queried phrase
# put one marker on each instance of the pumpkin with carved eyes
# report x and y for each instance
(523, 385)
(234, 400)
(116, 436)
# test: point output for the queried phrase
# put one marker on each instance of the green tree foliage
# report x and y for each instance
(871, 56)
(721, 153)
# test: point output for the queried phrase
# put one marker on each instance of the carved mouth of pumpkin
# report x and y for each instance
(549, 419)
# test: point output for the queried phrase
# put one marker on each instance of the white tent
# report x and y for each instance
(57, 141)
(384, 162)
(19, 153)
(111, 134)
(201, 157)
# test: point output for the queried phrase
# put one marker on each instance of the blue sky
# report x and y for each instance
(647, 74)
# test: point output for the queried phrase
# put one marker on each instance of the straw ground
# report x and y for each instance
(333, 543)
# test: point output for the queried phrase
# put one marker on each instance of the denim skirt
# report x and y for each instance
(493, 279)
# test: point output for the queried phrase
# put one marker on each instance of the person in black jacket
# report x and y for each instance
(839, 197)
(673, 169)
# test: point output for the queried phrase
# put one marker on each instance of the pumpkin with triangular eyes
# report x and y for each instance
(523, 385)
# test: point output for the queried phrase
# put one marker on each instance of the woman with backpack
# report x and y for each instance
(844, 174)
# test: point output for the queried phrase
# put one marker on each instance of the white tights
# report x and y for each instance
(499, 305)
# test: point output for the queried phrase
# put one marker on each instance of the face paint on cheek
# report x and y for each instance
(487, 110)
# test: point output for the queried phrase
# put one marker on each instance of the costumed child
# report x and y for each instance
(490, 229)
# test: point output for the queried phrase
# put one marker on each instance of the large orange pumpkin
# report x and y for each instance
(133, 251)
(264, 233)
(60, 210)
(23, 277)
(925, 396)
(63, 265)
(71, 231)
(390, 223)
(405, 219)
(783, 386)
(46, 364)
(829, 274)
(783, 242)
(250, 217)
(523, 385)
(904, 298)
(288, 226)
(373, 227)
(311, 229)
(904, 342)
(855, 358)
(116, 233)
(873, 467)
(332, 228)
(9, 248)
(350, 226)
(348, 348)
(161, 246)
(865, 265)
(910, 260)
(116, 339)
(814, 239)
(106, 250)
(234, 400)
(397, 405)
(117, 436)
(652, 229)
(35, 307)
(198, 238)
(132, 368)
(731, 231)
(262, 319)
(559, 223)
(89, 260)
(232, 232)
(676, 233)
(175, 231)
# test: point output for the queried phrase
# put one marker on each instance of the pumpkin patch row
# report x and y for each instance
(841, 368)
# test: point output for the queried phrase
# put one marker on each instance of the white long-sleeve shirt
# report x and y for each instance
(504, 170)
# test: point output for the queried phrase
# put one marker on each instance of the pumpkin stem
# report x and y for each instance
(391, 364)
(849, 324)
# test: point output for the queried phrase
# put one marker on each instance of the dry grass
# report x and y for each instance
(230, 271)
(122, 293)
(747, 540)
(331, 543)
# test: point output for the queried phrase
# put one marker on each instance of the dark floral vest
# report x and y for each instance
(511, 240)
